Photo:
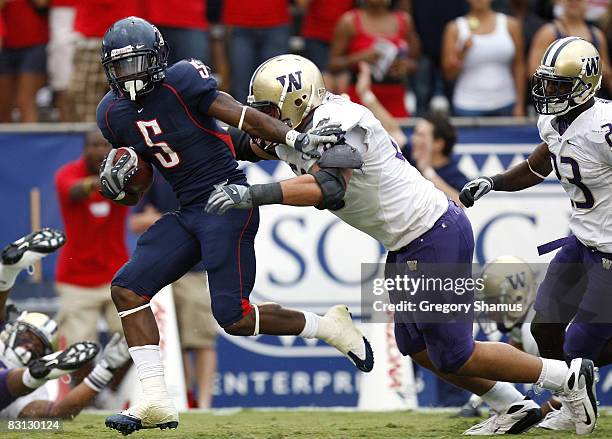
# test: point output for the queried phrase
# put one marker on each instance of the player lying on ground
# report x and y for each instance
(389, 200)
(27, 360)
(168, 116)
(576, 130)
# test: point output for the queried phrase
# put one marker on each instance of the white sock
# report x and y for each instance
(501, 396)
(8, 274)
(29, 381)
(311, 328)
(553, 374)
(150, 370)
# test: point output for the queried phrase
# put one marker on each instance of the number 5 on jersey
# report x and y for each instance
(169, 158)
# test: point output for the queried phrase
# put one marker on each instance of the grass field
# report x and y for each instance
(251, 424)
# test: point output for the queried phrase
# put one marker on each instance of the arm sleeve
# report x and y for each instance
(6, 398)
(14, 410)
(242, 145)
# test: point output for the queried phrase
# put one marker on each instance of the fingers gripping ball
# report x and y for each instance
(142, 179)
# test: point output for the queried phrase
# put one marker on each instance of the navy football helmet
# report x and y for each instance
(134, 56)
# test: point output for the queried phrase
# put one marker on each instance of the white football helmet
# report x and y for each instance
(508, 280)
(568, 76)
(14, 341)
(287, 87)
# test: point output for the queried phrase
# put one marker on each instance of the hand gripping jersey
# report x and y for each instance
(388, 199)
(582, 161)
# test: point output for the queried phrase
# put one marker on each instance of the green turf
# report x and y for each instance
(251, 424)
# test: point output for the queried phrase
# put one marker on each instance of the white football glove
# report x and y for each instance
(475, 190)
(308, 143)
(228, 196)
(113, 178)
(114, 356)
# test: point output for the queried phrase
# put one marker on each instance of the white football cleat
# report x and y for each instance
(579, 396)
(518, 418)
(160, 414)
(337, 329)
(558, 420)
(31, 248)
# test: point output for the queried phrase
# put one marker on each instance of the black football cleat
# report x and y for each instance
(29, 249)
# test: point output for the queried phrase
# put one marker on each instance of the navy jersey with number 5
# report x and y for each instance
(169, 127)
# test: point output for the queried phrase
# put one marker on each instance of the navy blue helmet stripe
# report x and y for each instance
(546, 53)
(556, 55)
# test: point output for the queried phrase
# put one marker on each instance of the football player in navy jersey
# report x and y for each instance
(168, 116)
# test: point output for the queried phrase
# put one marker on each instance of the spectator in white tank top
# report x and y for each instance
(483, 53)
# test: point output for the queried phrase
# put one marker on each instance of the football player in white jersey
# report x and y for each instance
(27, 360)
(389, 200)
(576, 130)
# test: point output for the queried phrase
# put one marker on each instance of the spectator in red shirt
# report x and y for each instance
(88, 84)
(258, 30)
(1, 31)
(95, 245)
(384, 38)
(23, 58)
(184, 26)
(318, 29)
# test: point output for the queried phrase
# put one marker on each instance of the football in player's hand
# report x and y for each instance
(142, 180)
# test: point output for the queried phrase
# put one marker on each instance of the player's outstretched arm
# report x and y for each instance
(20, 381)
(324, 189)
(258, 124)
(114, 356)
(522, 176)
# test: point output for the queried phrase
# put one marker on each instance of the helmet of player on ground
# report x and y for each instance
(507, 280)
(27, 339)
(287, 87)
(568, 76)
(134, 56)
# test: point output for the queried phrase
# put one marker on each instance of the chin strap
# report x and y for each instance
(127, 312)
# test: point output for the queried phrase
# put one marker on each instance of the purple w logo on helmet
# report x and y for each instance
(294, 81)
(591, 65)
(517, 280)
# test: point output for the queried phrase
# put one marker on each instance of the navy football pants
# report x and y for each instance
(179, 240)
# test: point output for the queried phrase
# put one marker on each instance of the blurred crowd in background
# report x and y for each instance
(466, 57)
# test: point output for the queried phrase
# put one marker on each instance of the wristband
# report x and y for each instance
(270, 193)
(99, 377)
(88, 185)
(244, 108)
(498, 181)
(368, 97)
(429, 173)
(291, 137)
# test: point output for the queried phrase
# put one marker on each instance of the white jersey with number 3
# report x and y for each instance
(388, 199)
(582, 161)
